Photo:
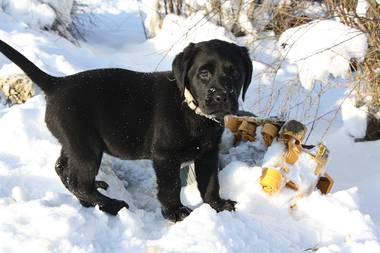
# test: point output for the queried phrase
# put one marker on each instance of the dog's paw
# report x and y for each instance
(113, 207)
(177, 214)
(223, 204)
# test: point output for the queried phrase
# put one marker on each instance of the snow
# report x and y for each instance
(362, 8)
(37, 213)
(38, 13)
(321, 49)
(355, 165)
(354, 118)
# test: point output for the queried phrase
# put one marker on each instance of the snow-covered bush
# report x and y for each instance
(241, 17)
(39, 13)
(55, 15)
(364, 16)
(323, 49)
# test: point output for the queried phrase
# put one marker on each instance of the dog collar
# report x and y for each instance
(190, 101)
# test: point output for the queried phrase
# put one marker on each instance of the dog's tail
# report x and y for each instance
(42, 79)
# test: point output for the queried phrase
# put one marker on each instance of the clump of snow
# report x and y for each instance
(302, 173)
(38, 13)
(362, 8)
(354, 118)
(322, 49)
(274, 155)
(153, 20)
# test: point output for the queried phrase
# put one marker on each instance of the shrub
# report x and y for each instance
(365, 16)
(58, 16)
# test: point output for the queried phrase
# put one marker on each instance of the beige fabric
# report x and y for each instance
(17, 88)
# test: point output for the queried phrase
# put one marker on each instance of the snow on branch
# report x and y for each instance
(323, 49)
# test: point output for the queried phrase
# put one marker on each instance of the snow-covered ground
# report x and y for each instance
(38, 214)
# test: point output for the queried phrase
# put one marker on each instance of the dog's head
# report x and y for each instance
(215, 72)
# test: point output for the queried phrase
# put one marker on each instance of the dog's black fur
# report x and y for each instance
(134, 115)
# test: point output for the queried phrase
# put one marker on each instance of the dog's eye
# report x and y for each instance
(204, 74)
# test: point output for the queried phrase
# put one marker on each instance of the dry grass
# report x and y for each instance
(287, 16)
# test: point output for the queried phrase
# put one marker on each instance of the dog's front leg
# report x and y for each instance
(169, 189)
(206, 171)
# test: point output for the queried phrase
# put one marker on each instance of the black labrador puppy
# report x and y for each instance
(169, 117)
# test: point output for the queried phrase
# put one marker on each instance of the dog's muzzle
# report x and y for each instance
(221, 102)
(216, 96)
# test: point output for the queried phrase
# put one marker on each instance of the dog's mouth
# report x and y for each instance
(219, 114)
(219, 110)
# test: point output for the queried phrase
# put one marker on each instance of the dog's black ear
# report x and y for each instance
(181, 65)
(248, 69)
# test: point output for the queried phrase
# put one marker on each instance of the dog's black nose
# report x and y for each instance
(217, 95)
(219, 98)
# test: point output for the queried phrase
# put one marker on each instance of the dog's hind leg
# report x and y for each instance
(78, 169)
(61, 167)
